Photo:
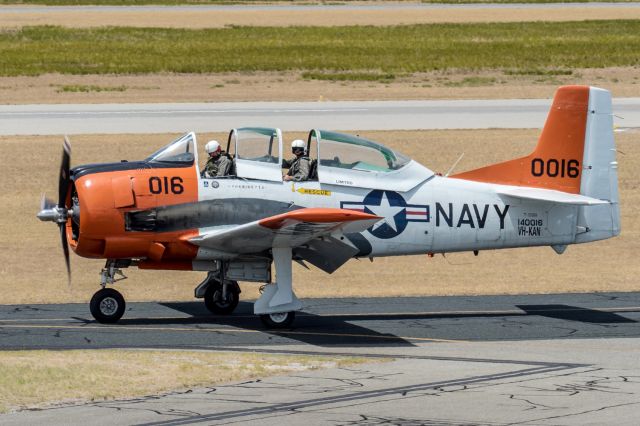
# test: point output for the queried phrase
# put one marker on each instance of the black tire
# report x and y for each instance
(213, 298)
(107, 306)
(279, 320)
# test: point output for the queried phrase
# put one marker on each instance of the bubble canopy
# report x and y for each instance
(353, 152)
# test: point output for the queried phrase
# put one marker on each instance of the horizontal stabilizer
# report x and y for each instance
(549, 195)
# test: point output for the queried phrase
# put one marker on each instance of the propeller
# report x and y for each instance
(63, 191)
(50, 212)
(65, 178)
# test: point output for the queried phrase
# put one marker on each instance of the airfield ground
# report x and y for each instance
(32, 268)
(534, 74)
(293, 86)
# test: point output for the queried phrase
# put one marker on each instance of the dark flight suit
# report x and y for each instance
(217, 167)
(299, 168)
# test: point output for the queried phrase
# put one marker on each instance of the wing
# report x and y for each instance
(549, 195)
(290, 229)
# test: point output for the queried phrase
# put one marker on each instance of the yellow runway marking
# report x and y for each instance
(225, 330)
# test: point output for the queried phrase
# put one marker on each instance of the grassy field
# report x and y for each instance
(529, 47)
(35, 378)
(32, 267)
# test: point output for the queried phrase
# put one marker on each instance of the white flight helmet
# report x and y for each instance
(298, 143)
(212, 146)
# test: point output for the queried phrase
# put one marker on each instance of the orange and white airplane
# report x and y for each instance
(363, 200)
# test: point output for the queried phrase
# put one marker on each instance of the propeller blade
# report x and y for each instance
(65, 178)
(46, 203)
(65, 249)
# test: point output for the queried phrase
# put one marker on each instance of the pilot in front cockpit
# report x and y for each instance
(299, 166)
(219, 164)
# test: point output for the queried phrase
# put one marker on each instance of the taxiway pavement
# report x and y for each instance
(539, 359)
(51, 119)
(394, 321)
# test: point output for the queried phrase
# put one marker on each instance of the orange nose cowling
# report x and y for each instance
(103, 204)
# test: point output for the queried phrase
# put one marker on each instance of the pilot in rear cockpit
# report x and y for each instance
(219, 164)
(299, 166)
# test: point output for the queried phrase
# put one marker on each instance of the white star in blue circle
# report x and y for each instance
(392, 208)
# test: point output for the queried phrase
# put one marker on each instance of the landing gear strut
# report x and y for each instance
(278, 302)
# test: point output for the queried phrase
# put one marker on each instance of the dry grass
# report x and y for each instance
(35, 378)
(290, 86)
(308, 16)
(32, 267)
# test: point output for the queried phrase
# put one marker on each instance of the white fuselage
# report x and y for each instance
(438, 215)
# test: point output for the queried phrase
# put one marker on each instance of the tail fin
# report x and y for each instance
(575, 154)
(556, 163)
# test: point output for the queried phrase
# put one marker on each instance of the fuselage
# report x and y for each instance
(149, 213)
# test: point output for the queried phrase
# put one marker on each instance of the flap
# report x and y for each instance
(290, 229)
(549, 195)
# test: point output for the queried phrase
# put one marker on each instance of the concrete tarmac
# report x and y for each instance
(293, 116)
(540, 360)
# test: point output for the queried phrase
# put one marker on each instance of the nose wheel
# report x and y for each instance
(107, 306)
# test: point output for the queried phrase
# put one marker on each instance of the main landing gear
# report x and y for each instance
(219, 298)
(278, 303)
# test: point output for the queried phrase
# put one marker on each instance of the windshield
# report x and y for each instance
(179, 151)
(352, 152)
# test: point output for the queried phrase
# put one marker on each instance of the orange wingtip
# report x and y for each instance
(318, 215)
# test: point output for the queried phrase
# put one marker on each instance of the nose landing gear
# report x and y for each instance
(107, 305)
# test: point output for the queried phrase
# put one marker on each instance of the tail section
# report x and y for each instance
(556, 163)
(575, 154)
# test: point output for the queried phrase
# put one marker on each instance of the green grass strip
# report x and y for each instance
(530, 47)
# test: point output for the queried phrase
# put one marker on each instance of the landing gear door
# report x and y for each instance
(258, 153)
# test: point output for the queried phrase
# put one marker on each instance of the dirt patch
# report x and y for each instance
(308, 16)
(266, 86)
(32, 266)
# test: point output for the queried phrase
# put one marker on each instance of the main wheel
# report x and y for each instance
(216, 304)
(278, 320)
(107, 306)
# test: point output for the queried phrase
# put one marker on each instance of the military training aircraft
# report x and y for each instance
(362, 200)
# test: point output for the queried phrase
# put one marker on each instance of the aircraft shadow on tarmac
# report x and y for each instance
(311, 329)
(339, 330)
(575, 313)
